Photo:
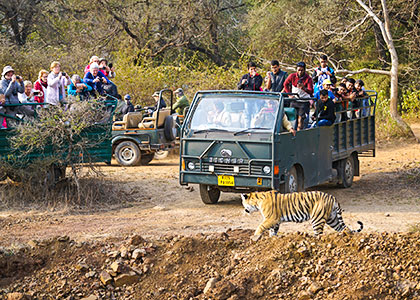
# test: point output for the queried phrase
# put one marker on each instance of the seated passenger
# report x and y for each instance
(219, 116)
(326, 85)
(40, 87)
(181, 102)
(364, 99)
(288, 125)
(96, 80)
(11, 85)
(128, 106)
(108, 71)
(266, 116)
(302, 84)
(27, 96)
(78, 88)
(340, 103)
(325, 110)
(156, 98)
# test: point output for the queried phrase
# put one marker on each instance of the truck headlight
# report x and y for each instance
(191, 166)
(266, 169)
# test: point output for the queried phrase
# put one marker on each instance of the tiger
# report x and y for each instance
(318, 207)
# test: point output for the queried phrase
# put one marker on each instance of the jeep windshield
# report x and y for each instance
(233, 113)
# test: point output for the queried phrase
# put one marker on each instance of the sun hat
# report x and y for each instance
(7, 69)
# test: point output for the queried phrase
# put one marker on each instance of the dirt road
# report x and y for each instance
(385, 198)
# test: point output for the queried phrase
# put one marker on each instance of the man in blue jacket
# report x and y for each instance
(95, 79)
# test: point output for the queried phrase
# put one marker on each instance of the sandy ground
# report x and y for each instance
(385, 198)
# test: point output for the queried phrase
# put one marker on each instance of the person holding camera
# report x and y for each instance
(322, 73)
(107, 70)
(251, 81)
(78, 88)
(96, 80)
(12, 85)
(40, 86)
(27, 96)
(57, 82)
(276, 78)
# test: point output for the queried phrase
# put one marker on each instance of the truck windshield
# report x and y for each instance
(234, 114)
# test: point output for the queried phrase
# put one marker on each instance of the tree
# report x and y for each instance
(385, 28)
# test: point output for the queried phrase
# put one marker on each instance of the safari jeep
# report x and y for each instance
(138, 136)
(224, 148)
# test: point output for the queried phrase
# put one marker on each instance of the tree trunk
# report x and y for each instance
(386, 33)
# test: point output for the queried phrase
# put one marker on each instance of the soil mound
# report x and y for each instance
(226, 265)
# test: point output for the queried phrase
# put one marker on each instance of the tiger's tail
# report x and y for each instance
(360, 229)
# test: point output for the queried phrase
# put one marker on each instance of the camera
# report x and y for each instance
(18, 77)
(38, 93)
(79, 85)
(64, 73)
(110, 65)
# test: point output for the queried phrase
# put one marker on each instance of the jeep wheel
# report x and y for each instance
(346, 172)
(293, 182)
(161, 154)
(209, 194)
(127, 154)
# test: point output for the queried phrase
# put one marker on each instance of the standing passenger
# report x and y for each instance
(57, 82)
(251, 81)
(322, 73)
(40, 87)
(275, 78)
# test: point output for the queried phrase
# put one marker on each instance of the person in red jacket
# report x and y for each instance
(300, 83)
(40, 87)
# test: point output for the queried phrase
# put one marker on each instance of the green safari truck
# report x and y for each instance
(98, 147)
(234, 141)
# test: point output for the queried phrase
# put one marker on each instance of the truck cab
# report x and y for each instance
(234, 141)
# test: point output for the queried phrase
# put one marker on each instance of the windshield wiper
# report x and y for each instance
(251, 128)
(210, 130)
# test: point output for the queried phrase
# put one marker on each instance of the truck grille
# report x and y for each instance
(224, 168)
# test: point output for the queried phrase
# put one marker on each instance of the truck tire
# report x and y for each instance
(127, 154)
(169, 129)
(293, 182)
(346, 172)
(161, 154)
(146, 158)
(209, 194)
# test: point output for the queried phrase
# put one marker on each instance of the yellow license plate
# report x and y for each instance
(225, 180)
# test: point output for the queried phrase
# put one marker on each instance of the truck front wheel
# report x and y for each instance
(209, 194)
(346, 172)
(293, 182)
(127, 153)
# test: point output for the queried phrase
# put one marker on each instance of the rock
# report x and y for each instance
(82, 267)
(387, 214)
(210, 284)
(304, 295)
(314, 288)
(33, 244)
(18, 296)
(123, 252)
(126, 279)
(90, 274)
(113, 254)
(136, 240)
(137, 253)
(91, 297)
(160, 208)
(303, 251)
(105, 277)
(63, 239)
(117, 266)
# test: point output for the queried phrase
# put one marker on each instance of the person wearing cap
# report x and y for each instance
(93, 59)
(57, 82)
(11, 85)
(181, 102)
(128, 106)
(326, 85)
(96, 79)
(300, 83)
(323, 72)
(78, 88)
(105, 69)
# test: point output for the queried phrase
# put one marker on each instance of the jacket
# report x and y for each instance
(97, 86)
(72, 90)
(11, 90)
(326, 110)
(292, 80)
(56, 90)
(252, 84)
(180, 105)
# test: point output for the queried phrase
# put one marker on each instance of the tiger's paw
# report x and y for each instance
(256, 237)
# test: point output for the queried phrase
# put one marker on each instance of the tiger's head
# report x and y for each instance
(249, 202)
